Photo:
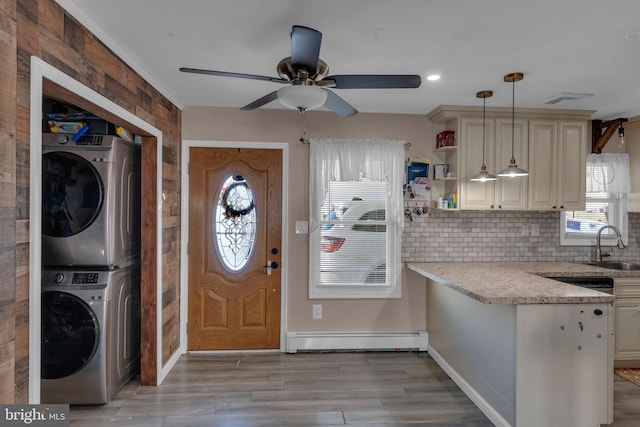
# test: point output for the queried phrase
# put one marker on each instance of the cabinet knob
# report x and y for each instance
(554, 206)
(561, 207)
(597, 312)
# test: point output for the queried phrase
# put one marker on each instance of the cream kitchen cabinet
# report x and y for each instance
(504, 193)
(450, 156)
(557, 165)
(550, 144)
(627, 323)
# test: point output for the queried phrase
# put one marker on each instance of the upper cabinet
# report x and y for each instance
(632, 147)
(550, 144)
(504, 193)
(557, 165)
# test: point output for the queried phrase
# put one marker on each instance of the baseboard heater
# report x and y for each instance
(345, 341)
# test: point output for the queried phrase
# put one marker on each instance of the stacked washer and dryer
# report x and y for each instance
(90, 267)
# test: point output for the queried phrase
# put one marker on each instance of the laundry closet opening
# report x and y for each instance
(143, 252)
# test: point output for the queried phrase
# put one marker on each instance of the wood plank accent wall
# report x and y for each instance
(9, 304)
(42, 28)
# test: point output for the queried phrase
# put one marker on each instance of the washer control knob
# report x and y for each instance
(58, 278)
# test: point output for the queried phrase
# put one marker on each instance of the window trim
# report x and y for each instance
(388, 159)
(620, 221)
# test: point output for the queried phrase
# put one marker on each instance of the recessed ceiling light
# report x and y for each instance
(433, 77)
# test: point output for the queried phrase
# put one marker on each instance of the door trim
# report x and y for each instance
(187, 144)
(41, 70)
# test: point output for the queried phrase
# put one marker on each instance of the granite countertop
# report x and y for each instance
(518, 282)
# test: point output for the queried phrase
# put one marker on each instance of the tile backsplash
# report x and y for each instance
(498, 236)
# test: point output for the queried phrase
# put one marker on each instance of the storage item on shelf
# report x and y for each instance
(446, 138)
(65, 127)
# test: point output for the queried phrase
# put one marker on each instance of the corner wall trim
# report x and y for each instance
(301, 341)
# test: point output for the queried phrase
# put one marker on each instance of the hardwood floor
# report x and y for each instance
(306, 389)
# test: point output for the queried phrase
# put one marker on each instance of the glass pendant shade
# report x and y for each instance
(620, 136)
(513, 170)
(483, 175)
(302, 97)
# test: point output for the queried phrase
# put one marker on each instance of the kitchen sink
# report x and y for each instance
(615, 265)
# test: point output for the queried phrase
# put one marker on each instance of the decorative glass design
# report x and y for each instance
(235, 223)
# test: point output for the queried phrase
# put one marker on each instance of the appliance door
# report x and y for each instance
(74, 201)
(70, 334)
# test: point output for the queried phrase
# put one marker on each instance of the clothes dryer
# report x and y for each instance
(90, 346)
(90, 201)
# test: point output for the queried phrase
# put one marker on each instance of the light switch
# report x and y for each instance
(302, 227)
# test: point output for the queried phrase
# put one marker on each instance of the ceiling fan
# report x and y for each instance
(306, 78)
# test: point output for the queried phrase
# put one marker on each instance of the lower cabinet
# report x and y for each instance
(627, 324)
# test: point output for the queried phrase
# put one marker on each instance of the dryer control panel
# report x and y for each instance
(84, 278)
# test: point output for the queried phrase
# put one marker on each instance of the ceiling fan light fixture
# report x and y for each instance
(302, 97)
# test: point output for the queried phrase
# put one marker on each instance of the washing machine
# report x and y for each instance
(90, 345)
(90, 201)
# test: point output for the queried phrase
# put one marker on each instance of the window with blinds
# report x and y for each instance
(605, 205)
(353, 238)
(355, 218)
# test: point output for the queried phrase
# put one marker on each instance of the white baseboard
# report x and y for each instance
(487, 409)
(410, 340)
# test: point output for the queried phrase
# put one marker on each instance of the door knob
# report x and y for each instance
(270, 265)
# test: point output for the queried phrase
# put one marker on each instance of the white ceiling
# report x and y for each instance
(573, 46)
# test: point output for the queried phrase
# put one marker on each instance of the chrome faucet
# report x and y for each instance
(599, 253)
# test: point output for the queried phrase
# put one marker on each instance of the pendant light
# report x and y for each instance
(483, 175)
(620, 136)
(513, 170)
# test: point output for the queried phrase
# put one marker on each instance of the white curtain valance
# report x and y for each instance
(608, 172)
(355, 160)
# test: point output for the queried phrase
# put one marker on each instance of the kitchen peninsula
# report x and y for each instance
(528, 350)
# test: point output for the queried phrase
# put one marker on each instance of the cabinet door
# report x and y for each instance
(627, 332)
(543, 140)
(476, 195)
(511, 193)
(572, 157)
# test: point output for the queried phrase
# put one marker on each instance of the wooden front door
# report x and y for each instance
(235, 227)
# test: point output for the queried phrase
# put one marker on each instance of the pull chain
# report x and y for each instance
(303, 138)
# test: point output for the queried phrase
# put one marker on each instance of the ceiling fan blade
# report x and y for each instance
(305, 48)
(338, 105)
(236, 75)
(261, 101)
(381, 81)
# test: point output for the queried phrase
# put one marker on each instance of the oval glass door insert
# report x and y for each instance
(235, 223)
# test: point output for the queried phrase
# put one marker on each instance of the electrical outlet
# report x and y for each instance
(535, 230)
(316, 311)
(525, 230)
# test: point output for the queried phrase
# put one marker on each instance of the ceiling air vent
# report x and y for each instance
(567, 97)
